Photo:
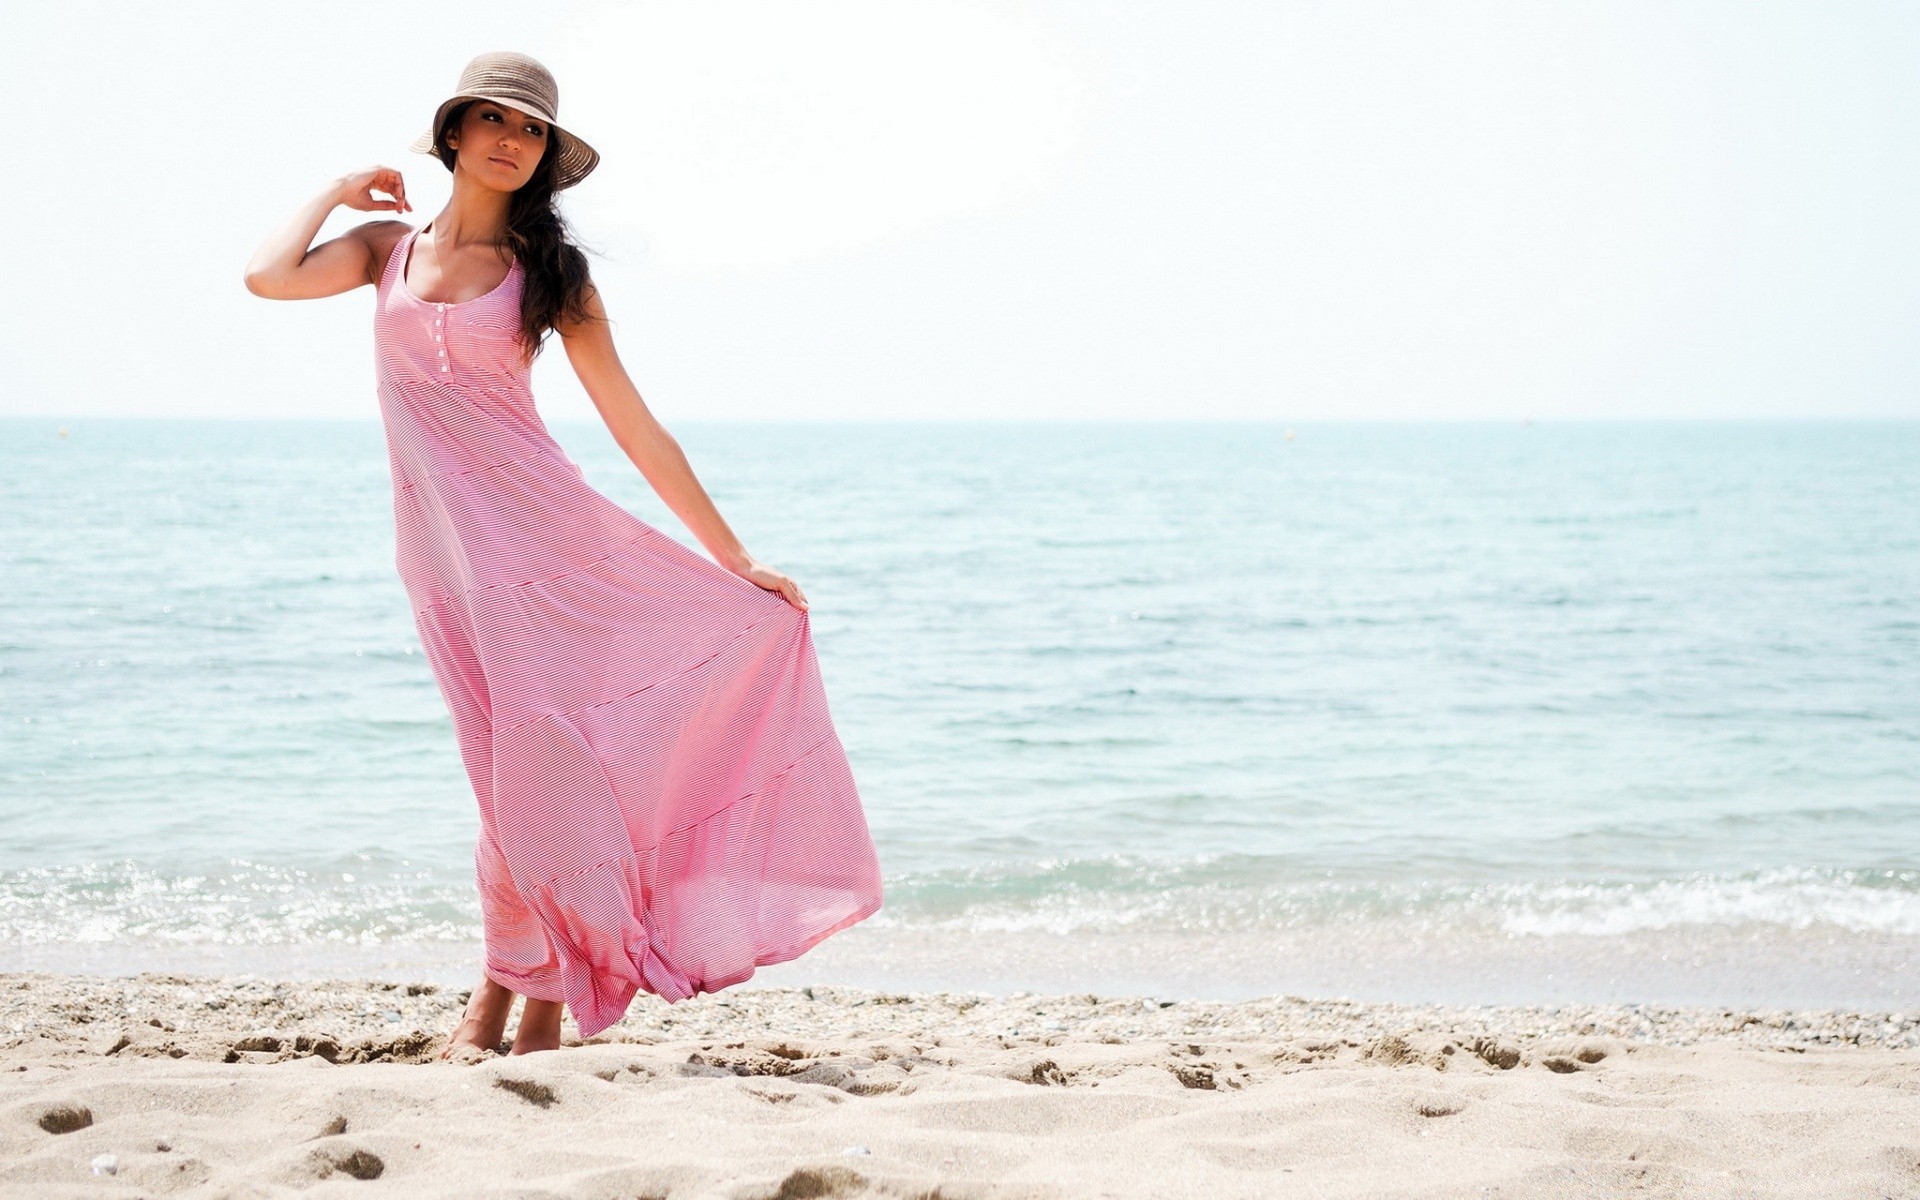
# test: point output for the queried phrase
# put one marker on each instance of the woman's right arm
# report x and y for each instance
(284, 268)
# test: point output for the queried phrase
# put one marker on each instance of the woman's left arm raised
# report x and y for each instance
(655, 451)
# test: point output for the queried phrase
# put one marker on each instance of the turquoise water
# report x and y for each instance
(1518, 712)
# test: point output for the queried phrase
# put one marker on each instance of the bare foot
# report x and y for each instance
(482, 1025)
(539, 1026)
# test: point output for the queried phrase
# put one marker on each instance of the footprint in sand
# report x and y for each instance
(65, 1118)
(822, 1181)
(1438, 1104)
(532, 1091)
(356, 1161)
(333, 1128)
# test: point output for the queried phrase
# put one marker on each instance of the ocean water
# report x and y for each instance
(1524, 712)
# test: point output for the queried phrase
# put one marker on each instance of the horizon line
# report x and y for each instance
(375, 419)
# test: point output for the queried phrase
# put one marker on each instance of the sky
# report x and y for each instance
(957, 209)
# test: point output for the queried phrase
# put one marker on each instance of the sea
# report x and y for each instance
(1506, 712)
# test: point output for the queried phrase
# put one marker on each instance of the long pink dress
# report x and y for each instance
(664, 803)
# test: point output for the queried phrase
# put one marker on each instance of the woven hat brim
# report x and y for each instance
(576, 160)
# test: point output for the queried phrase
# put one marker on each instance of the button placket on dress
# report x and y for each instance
(440, 334)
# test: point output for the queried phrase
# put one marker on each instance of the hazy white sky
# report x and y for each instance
(955, 208)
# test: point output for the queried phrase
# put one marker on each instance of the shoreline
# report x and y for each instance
(240, 1086)
(1732, 966)
(70, 1009)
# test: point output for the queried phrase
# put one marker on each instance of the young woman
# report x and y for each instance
(663, 802)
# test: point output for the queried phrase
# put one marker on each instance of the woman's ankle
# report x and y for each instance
(484, 1019)
(540, 1023)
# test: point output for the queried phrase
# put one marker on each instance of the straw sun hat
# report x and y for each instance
(518, 82)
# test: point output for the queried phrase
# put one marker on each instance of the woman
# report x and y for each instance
(664, 804)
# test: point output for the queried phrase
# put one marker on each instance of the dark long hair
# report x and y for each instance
(554, 273)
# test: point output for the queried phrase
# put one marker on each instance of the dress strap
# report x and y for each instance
(397, 254)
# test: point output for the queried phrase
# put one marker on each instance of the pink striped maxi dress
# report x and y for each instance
(664, 804)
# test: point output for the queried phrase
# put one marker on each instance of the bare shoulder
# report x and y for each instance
(380, 237)
(594, 320)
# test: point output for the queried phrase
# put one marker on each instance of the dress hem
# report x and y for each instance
(615, 991)
(769, 958)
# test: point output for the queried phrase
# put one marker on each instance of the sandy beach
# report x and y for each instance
(1268, 601)
(163, 1085)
